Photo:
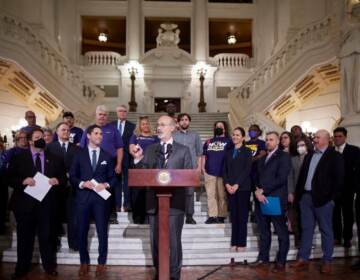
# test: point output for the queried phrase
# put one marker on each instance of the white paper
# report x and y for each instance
(41, 187)
(103, 193)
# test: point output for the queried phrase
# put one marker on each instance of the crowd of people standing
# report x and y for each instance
(310, 179)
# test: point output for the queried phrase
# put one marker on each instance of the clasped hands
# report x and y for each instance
(31, 182)
(231, 189)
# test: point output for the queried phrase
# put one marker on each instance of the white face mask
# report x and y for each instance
(301, 150)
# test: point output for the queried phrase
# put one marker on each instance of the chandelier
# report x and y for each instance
(103, 37)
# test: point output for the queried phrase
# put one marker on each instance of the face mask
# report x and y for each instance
(301, 150)
(40, 143)
(252, 133)
(218, 131)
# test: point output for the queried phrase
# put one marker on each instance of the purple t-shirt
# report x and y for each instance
(143, 141)
(214, 150)
(111, 139)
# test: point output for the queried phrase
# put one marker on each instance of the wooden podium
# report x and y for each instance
(163, 181)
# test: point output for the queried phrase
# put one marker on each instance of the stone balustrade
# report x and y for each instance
(103, 58)
(69, 76)
(231, 61)
(304, 40)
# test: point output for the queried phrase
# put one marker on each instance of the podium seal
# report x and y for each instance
(164, 177)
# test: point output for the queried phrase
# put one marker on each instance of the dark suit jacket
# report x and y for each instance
(237, 170)
(55, 148)
(180, 158)
(351, 156)
(328, 178)
(272, 176)
(81, 170)
(22, 166)
(128, 132)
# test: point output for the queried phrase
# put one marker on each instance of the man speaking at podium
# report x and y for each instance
(166, 155)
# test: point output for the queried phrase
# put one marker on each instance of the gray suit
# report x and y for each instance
(179, 158)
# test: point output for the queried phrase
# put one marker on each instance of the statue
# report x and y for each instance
(167, 37)
(350, 64)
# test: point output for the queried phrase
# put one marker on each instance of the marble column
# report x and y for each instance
(134, 30)
(201, 30)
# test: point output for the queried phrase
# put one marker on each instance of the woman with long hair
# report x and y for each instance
(143, 136)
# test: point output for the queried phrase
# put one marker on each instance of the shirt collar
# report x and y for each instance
(170, 141)
(97, 149)
(321, 151)
(272, 152)
(33, 152)
(61, 143)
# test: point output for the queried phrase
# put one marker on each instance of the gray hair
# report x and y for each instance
(101, 108)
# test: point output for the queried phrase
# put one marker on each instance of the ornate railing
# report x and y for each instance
(231, 60)
(20, 34)
(304, 40)
(103, 58)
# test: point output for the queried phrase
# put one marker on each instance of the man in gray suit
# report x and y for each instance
(167, 154)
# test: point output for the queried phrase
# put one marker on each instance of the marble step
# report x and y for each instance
(190, 257)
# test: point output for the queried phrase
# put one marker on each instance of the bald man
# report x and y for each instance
(168, 154)
(30, 117)
(320, 181)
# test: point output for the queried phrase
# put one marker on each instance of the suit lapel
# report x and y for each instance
(100, 160)
(46, 163)
(273, 156)
(172, 156)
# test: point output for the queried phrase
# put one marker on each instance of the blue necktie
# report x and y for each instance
(93, 160)
(120, 128)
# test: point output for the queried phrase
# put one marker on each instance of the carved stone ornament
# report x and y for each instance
(167, 36)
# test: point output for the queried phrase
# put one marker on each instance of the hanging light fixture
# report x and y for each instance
(103, 37)
(231, 39)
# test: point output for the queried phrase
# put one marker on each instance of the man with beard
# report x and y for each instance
(192, 140)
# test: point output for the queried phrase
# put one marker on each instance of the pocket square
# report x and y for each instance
(103, 162)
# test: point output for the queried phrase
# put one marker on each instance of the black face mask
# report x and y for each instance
(40, 143)
(218, 131)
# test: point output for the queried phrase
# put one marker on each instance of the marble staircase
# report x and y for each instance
(202, 244)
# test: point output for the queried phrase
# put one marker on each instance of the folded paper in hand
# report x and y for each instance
(271, 207)
(103, 193)
(41, 188)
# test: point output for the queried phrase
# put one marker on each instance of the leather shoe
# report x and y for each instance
(83, 270)
(300, 265)
(220, 220)
(278, 267)
(326, 268)
(190, 220)
(259, 264)
(355, 265)
(211, 220)
(100, 269)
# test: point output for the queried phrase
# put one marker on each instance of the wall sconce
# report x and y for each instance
(231, 39)
(103, 37)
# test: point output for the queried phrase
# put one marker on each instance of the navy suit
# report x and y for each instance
(272, 177)
(90, 204)
(123, 177)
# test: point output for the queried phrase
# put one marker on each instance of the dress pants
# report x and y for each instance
(72, 222)
(176, 223)
(239, 212)
(189, 203)
(122, 187)
(138, 202)
(309, 216)
(357, 216)
(41, 222)
(97, 208)
(4, 194)
(281, 229)
(343, 217)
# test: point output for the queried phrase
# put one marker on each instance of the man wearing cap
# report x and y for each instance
(75, 132)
